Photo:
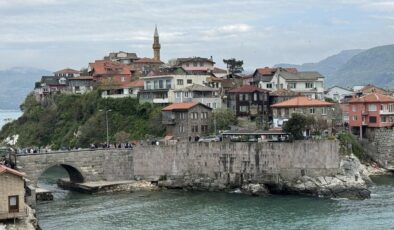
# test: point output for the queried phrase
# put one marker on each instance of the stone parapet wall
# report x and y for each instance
(380, 146)
(236, 163)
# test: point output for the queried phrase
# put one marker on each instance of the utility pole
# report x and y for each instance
(106, 121)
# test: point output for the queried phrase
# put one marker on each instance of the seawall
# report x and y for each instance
(380, 147)
(233, 164)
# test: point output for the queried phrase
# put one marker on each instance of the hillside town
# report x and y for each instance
(191, 89)
(264, 105)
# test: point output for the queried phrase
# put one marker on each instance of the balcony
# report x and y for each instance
(160, 100)
(386, 112)
(168, 121)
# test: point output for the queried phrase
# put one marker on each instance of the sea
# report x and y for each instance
(177, 209)
(8, 115)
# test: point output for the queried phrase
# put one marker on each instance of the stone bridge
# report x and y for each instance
(82, 166)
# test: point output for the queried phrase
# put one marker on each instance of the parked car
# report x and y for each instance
(209, 139)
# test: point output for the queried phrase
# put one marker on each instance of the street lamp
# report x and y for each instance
(106, 120)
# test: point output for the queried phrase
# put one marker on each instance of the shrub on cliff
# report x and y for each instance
(76, 120)
(349, 144)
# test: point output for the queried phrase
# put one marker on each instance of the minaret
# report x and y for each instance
(156, 46)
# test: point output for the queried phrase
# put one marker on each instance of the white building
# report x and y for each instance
(337, 93)
(308, 83)
(160, 88)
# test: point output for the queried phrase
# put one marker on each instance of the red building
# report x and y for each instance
(111, 71)
(371, 111)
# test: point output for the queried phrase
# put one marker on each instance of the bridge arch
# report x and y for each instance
(74, 173)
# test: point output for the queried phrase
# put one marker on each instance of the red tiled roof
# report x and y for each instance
(102, 67)
(213, 78)
(182, 106)
(247, 89)
(133, 84)
(373, 97)
(5, 169)
(301, 101)
(67, 70)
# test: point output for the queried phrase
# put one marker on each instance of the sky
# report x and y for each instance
(55, 34)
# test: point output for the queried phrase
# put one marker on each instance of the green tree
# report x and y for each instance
(122, 137)
(234, 66)
(223, 118)
(296, 125)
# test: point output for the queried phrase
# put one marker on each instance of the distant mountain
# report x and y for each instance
(16, 83)
(328, 66)
(375, 65)
(356, 67)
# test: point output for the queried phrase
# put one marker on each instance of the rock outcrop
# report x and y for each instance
(352, 182)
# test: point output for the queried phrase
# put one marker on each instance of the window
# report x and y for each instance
(269, 85)
(354, 108)
(195, 64)
(178, 94)
(292, 85)
(246, 97)
(179, 82)
(384, 119)
(194, 128)
(214, 105)
(372, 119)
(186, 94)
(194, 115)
(281, 86)
(156, 84)
(308, 85)
(148, 84)
(312, 110)
(209, 105)
(13, 204)
(189, 81)
(372, 107)
(201, 64)
(324, 111)
(204, 128)
(168, 84)
(255, 96)
(161, 84)
(355, 118)
(123, 79)
(243, 109)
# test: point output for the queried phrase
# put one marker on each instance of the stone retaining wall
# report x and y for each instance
(380, 146)
(236, 163)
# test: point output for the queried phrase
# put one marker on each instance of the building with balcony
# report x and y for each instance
(308, 83)
(159, 87)
(249, 101)
(186, 120)
(127, 89)
(370, 111)
(12, 194)
(199, 93)
(81, 84)
(282, 111)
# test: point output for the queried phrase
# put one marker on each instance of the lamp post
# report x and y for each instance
(106, 121)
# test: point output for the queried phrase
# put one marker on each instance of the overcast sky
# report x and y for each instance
(54, 34)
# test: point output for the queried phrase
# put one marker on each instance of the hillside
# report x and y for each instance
(374, 66)
(328, 66)
(16, 83)
(356, 67)
(76, 121)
